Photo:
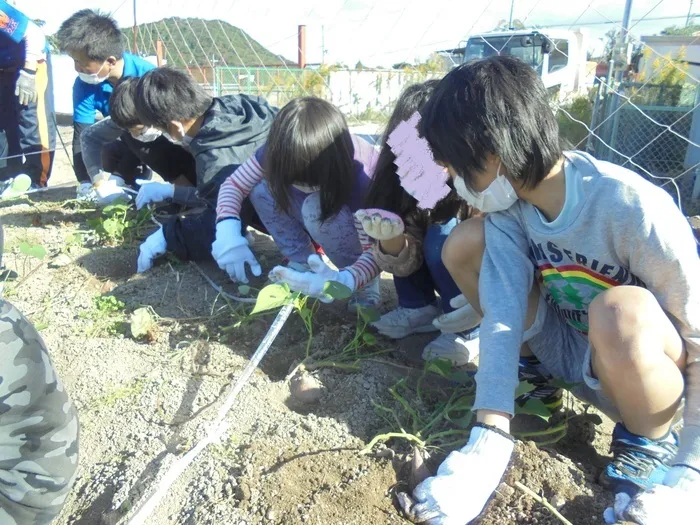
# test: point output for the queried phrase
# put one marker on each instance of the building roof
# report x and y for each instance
(680, 40)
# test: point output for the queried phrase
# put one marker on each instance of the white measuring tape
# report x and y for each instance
(217, 427)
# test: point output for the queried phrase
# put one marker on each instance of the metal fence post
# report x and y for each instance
(692, 154)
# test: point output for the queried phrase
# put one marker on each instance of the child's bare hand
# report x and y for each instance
(380, 224)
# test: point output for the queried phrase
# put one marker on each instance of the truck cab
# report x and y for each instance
(559, 57)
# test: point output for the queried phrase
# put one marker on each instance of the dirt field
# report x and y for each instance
(144, 403)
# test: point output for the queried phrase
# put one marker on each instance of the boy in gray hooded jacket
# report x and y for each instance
(582, 263)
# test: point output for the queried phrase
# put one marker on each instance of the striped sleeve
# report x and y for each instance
(365, 268)
(237, 187)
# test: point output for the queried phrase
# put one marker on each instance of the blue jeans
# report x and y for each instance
(418, 289)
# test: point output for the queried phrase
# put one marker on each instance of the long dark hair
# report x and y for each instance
(386, 192)
(309, 143)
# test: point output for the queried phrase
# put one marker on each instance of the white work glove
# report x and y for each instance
(153, 247)
(461, 319)
(152, 191)
(312, 283)
(103, 176)
(464, 482)
(25, 88)
(109, 190)
(380, 224)
(675, 501)
(232, 252)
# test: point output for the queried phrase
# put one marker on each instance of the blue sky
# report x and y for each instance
(377, 32)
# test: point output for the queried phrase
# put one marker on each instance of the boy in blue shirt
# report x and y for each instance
(27, 126)
(96, 45)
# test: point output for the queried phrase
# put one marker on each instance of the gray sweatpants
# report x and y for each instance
(93, 139)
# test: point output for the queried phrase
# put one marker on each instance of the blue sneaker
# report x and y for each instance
(638, 462)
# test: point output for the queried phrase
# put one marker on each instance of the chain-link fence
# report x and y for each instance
(647, 128)
(638, 112)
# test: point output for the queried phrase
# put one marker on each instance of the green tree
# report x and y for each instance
(433, 66)
(580, 109)
(667, 75)
(503, 25)
(194, 42)
(688, 30)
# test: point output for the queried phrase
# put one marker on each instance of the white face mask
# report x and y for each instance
(185, 141)
(148, 135)
(93, 78)
(499, 196)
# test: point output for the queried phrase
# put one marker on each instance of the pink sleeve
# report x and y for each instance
(365, 268)
(237, 187)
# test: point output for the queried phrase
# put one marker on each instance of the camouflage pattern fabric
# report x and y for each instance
(38, 426)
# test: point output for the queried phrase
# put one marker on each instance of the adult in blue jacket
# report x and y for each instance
(27, 125)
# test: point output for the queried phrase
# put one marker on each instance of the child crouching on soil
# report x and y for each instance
(592, 267)
(219, 132)
(408, 244)
(305, 184)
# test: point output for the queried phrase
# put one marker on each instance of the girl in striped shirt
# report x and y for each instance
(305, 183)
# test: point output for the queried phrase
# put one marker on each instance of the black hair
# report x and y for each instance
(164, 95)
(122, 103)
(497, 106)
(385, 190)
(309, 143)
(93, 33)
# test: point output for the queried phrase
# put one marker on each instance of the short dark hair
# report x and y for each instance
(122, 104)
(164, 95)
(93, 33)
(385, 190)
(309, 143)
(497, 106)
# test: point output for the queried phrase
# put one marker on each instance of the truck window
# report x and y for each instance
(559, 55)
(484, 47)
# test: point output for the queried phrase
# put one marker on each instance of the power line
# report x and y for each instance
(608, 22)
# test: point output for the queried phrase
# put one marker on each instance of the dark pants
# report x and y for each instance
(190, 236)
(27, 133)
(418, 289)
(128, 158)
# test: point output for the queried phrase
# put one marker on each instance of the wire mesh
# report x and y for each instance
(642, 120)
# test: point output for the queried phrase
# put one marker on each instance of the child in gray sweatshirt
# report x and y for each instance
(582, 263)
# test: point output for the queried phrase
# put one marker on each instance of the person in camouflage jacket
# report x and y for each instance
(38, 426)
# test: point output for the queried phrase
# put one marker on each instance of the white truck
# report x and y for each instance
(558, 56)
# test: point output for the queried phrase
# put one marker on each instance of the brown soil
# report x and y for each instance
(142, 404)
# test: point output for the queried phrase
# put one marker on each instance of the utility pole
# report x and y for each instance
(625, 35)
(323, 44)
(510, 19)
(689, 17)
(136, 30)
